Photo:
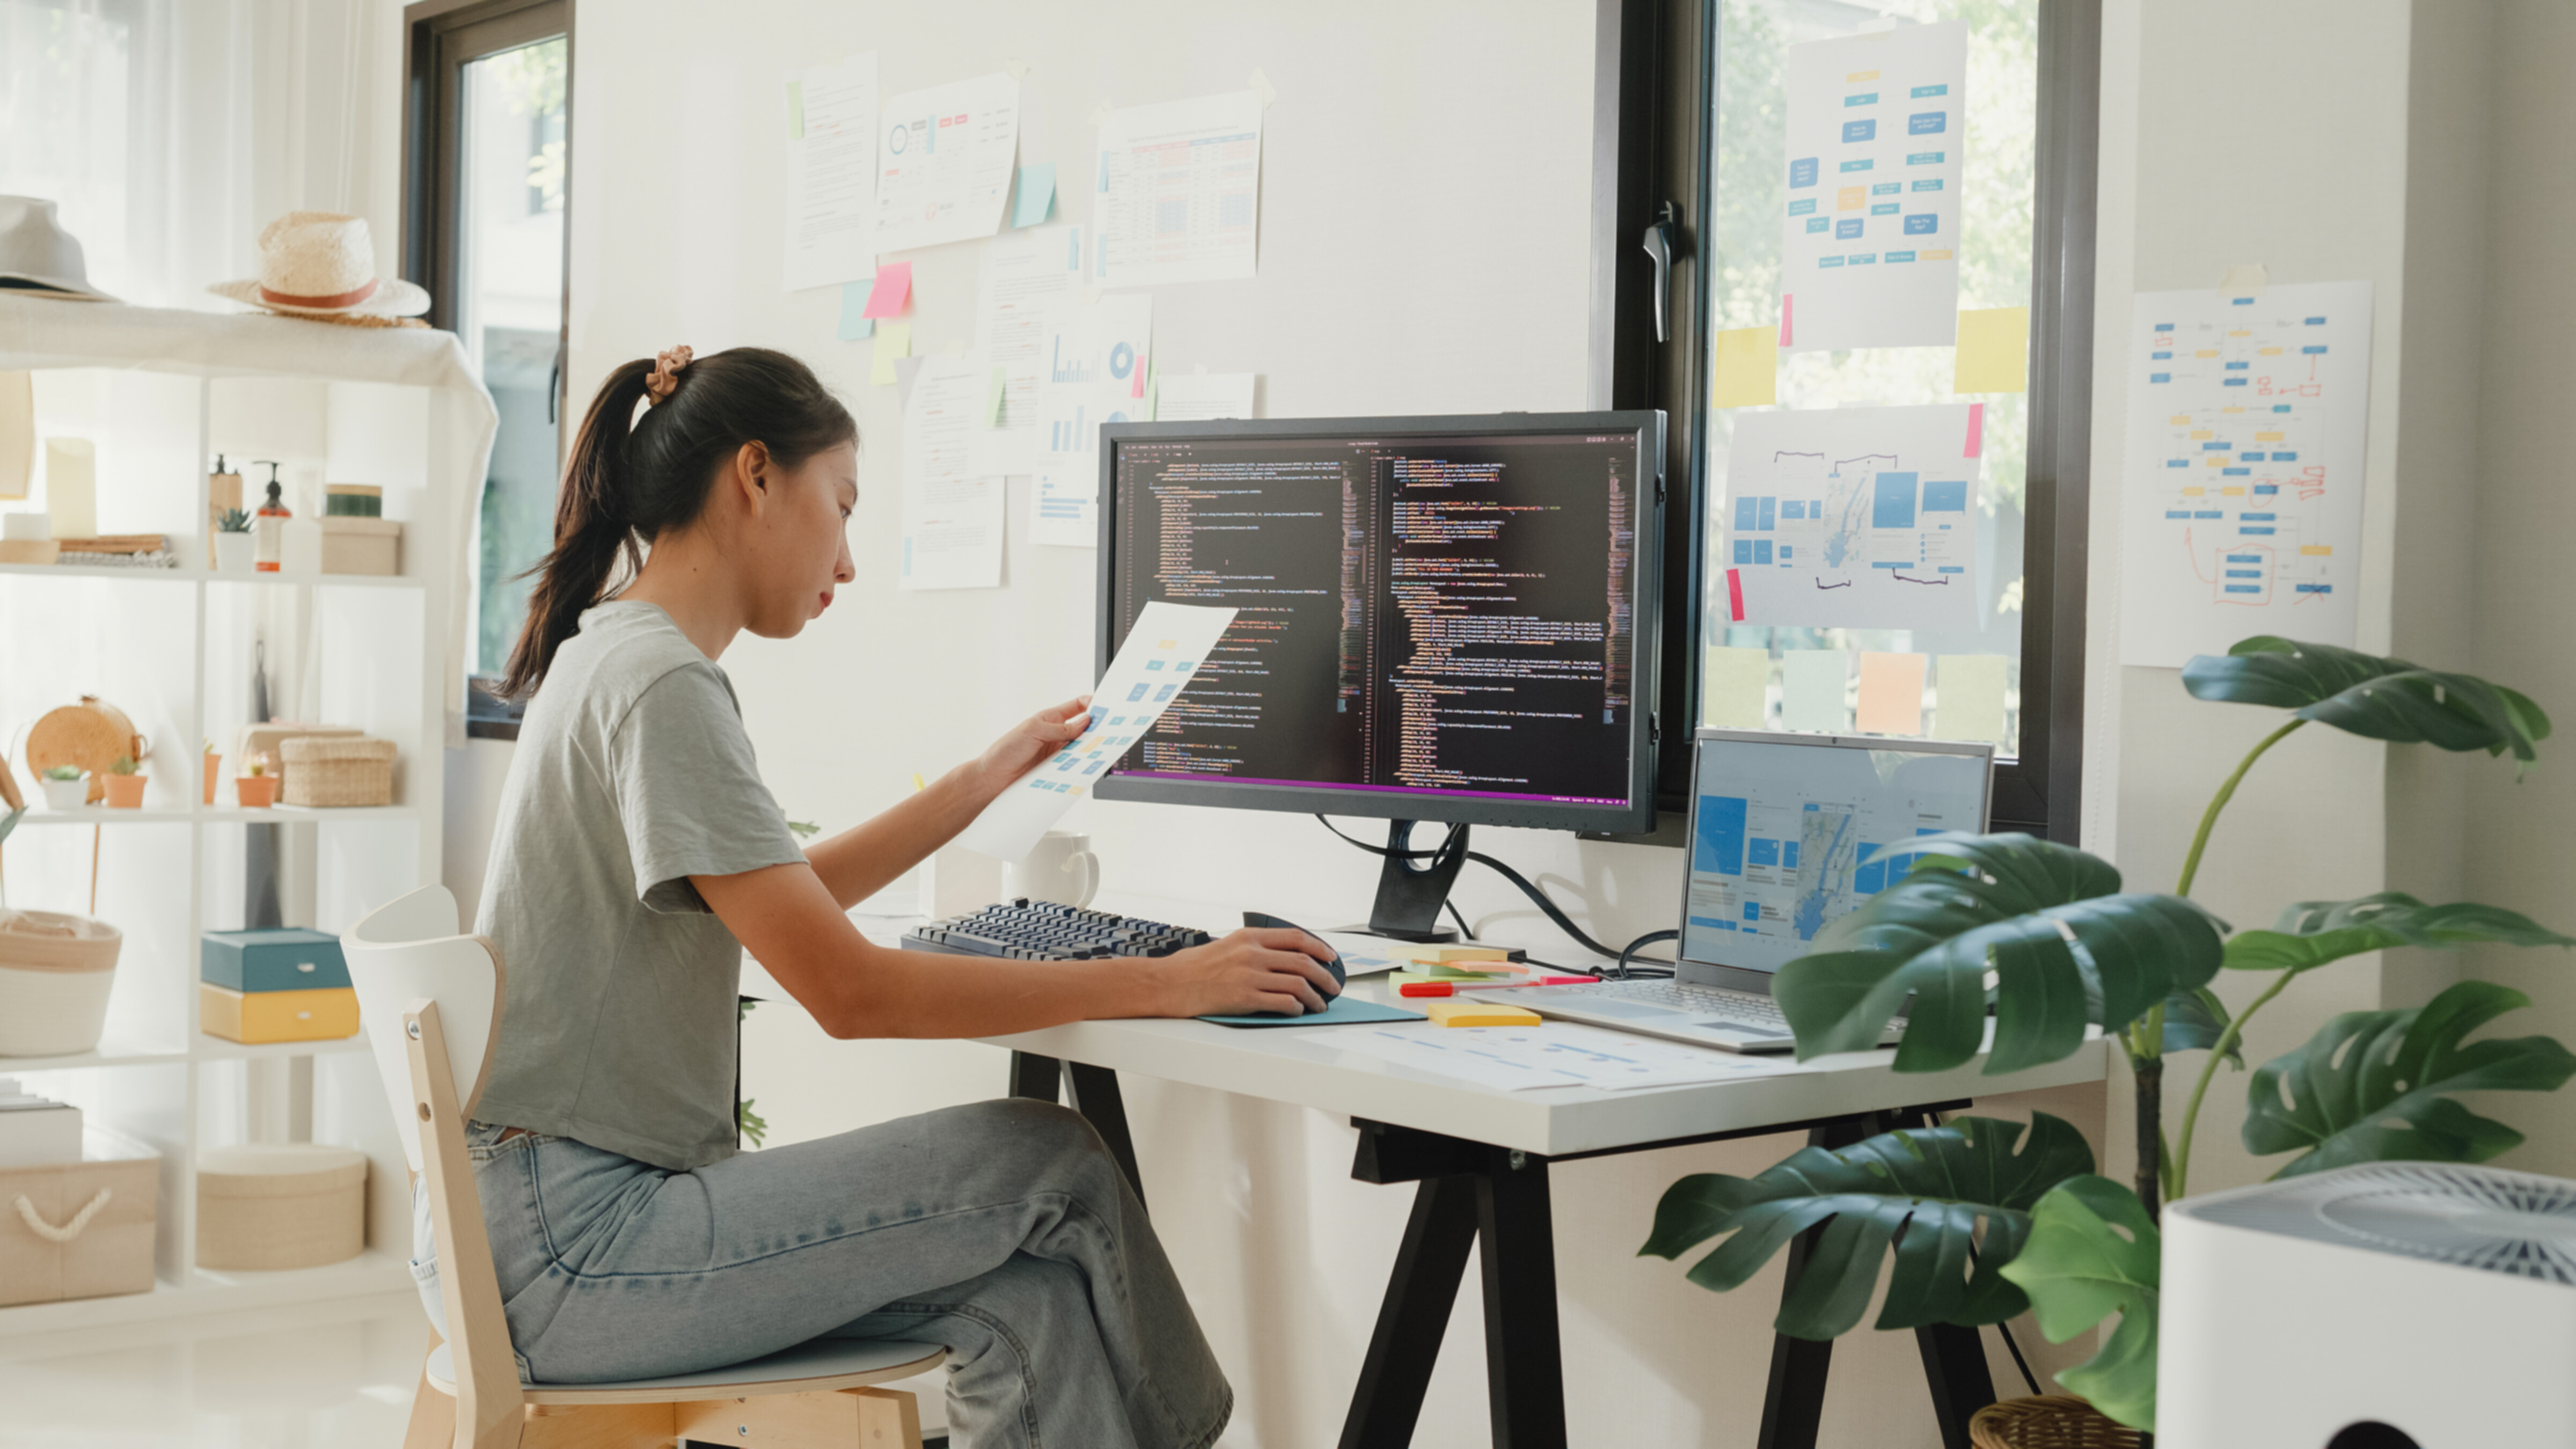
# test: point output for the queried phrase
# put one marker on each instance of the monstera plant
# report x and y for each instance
(1980, 1224)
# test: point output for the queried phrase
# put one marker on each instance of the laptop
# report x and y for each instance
(1788, 833)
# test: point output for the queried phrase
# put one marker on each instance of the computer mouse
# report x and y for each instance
(1333, 964)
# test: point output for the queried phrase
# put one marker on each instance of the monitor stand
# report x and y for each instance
(1410, 892)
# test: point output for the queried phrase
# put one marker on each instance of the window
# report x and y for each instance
(484, 231)
(1702, 142)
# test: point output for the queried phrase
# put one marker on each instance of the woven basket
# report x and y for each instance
(2051, 1421)
(338, 771)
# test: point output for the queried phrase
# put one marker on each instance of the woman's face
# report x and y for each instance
(804, 551)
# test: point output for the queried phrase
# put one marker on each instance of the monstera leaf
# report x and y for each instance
(2093, 1252)
(2312, 933)
(2376, 698)
(2066, 951)
(1924, 1190)
(2194, 1022)
(2375, 1086)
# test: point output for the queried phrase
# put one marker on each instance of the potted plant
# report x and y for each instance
(2045, 934)
(214, 762)
(235, 549)
(256, 787)
(65, 787)
(124, 786)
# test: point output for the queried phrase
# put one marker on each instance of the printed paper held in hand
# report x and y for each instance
(1160, 658)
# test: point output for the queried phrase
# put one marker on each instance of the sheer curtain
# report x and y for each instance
(170, 131)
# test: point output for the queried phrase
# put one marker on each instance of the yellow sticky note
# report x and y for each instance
(1891, 694)
(1471, 1012)
(1970, 705)
(894, 339)
(1732, 688)
(1994, 351)
(2317, 550)
(1748, 368)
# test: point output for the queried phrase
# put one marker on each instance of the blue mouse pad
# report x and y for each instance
(1343, 1010)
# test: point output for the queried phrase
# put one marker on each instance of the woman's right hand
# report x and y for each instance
(1270, 969)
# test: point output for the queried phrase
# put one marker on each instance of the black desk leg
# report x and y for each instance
(1793, 1402)
(1954, 1364)
(1035, 1077)
(1095, 1095)
(1419, 1296)
(1524, 1370)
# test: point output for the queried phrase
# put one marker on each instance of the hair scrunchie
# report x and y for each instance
(666, 373)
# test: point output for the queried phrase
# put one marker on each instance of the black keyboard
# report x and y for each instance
(1027, 930)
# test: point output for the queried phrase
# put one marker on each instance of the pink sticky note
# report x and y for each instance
(1786, 336)
(1976, 430)
(1891, 694)
(1136, 376)
(1735, 595)
(894, 283)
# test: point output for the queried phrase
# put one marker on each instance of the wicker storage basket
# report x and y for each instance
(280, 1205)
(2050, 1421)
(345, 771)
(79, 1229)
(55, 974)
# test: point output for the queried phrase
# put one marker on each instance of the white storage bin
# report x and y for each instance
(55, 972)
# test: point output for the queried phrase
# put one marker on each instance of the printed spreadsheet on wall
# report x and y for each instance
(1869, 258)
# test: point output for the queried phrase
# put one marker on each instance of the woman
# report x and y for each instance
(638, 855)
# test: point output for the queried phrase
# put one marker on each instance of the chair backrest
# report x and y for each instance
(414, 974)
(411, 948)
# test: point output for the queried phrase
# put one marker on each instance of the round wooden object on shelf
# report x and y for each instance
(2050, 1421)
(88, 736)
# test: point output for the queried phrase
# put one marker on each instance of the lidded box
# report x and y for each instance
(338, 771)
(293, 959)
(275, 1205)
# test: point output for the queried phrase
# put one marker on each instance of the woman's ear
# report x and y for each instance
(753, 471)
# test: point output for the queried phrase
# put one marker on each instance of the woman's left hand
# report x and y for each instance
(1031, 740)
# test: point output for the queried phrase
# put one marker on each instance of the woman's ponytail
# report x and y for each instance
(629, 479)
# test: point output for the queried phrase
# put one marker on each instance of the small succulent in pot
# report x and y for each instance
(124, 784)
(66, 788)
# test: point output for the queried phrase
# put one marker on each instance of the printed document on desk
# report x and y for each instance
(1559, 1054)
(1095, 373)
(1032, 283)
(952, 520)
(944, 162)
(1159, 660)
(1178, 192)
(831, 173)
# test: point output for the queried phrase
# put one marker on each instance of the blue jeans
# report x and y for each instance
(1002, 1230)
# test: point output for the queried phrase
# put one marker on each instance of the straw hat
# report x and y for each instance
(38, 257)
(322, 264)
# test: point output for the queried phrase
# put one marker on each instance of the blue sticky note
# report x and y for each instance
(1342, 1010)
(854, 300)
(1037, 195)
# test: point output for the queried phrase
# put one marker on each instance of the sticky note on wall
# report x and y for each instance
(1733, 688)
(1813, 683)
(1994, 351)
(1036, 196)
(1969, 704)
(856, 325)
(1891, 694)
(893, 285)
(1746, 372)
(894, 340)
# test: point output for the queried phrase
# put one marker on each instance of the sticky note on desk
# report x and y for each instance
(893, 285)
(856, 324)
(1994, 351)
(894, 340)
(1746, 370)
(1891, 694)
(1479, 1013)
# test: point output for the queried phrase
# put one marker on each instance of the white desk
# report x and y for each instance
(1482, 1156)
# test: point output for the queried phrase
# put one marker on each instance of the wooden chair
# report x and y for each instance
(431, 999)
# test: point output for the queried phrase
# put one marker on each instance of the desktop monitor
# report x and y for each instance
(1789, 832)
(1438, 618)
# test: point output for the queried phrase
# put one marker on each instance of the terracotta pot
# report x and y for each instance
(255, 792)
(124, 792)
(214, 762)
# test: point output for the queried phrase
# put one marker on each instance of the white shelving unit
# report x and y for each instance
(160, 393)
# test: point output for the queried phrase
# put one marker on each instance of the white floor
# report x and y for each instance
(334, 1375)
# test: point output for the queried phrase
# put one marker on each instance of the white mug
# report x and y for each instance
(1062, 868)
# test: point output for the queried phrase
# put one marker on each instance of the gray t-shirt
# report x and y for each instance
(632, 774)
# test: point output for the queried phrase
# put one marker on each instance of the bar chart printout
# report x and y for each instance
(2242, 501)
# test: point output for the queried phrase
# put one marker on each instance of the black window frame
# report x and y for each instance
(1654, 159)
(440, 38)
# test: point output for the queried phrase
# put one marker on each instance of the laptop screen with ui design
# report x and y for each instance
(1790, 832)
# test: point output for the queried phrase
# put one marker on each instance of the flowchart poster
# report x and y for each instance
(1875, 131)
(1854, 518)
(2242, 506)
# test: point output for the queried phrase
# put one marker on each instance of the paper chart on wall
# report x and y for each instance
(944, 162)
(2242, 510)
(1875, 128)
(952, 520)
(1031, 282)
(831, 173)
(1096, 366)
(1854, 518)
(1199, 396)
(1160, 658)
(1558, 1054)
(1178, 192)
